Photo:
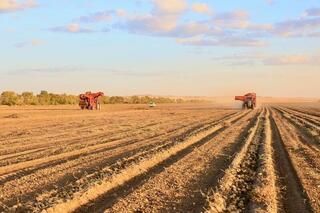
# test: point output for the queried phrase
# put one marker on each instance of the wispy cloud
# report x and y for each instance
(245, 58)
(314, 34)
(313, 12)
(44, 70)
(10, 30)
(71, 28)
(270, 2)
(232, 20)
(33, 42)
(80, 69)
(306, 25)
(101, 16)
(238, 20)
(297, 27)
(234, 15)
(269, 59)
(13, 5)
(223, 41)
(289, 60)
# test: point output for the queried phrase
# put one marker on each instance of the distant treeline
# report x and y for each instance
(45, 98)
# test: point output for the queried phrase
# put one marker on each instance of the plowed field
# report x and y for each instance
(173, 158)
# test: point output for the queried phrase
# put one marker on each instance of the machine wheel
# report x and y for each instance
(244, 106)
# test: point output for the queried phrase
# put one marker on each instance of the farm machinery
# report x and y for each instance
(90, 100)
(249, 100)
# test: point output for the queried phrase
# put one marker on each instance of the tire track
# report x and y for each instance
(302, 118)
(308, 112)
(270, 164)
(310, 134)
(58, 138)
(292, 197)
(303, 165)
(301, 145)
(264, 192)
(234, 189)
(172, 141)
(128, 174)
(79, 142)
(24, 168)
(180, 186)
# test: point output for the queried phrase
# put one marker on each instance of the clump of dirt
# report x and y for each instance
(12, 116)
(226, 123)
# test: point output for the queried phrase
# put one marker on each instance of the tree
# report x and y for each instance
(179, 100)
(104, 99)
(116, 100)
(146, 100)
(28, 98)
(44, 98)
(9, 98)
(134, 100)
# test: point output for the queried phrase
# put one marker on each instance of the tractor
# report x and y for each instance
(249, 100)
(90, 100)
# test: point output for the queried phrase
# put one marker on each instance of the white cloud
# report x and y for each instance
(228, 29)
(13, 5)
(201, 8)
(162, 19)
(170, 6)
(150, 24)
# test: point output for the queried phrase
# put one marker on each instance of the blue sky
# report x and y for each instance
(161, 47)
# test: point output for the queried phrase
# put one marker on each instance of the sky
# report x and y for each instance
(161, 47)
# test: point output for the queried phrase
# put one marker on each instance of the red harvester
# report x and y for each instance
(249, 100)
(90, 100)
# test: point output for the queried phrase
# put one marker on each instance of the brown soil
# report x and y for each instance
(174, 158)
